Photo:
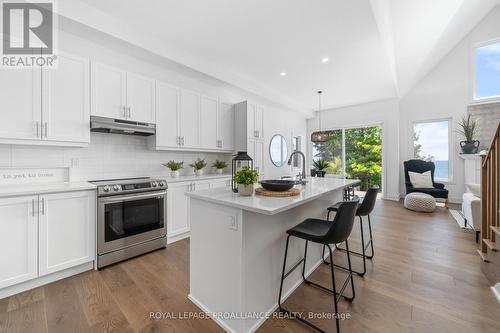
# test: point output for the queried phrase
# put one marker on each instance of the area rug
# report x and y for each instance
(459, 218)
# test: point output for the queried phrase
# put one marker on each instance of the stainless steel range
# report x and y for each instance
(131, 218)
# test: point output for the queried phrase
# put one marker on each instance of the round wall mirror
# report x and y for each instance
(278, 150)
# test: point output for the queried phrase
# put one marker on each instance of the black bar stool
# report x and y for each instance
(326, 233)
(364, 209)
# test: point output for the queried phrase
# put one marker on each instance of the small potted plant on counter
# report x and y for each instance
(219, 166)
(467, 129)
(198, 166)
(174, 168)
(321, 165)
(245, 178)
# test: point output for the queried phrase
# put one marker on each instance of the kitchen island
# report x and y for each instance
(237, 246)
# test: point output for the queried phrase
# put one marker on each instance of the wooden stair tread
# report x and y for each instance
(496, 230)
(482, 255)
(491, 245)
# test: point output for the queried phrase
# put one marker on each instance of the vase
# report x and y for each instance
(469, 147)
(198, 172)
(174, 174)
(245, 190)
(219, 171)
(320, 173)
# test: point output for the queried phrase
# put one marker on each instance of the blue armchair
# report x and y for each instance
(438, 191)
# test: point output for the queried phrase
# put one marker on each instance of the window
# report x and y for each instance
(353, 152)
(296, 145)
(431, 143)
(487, 81)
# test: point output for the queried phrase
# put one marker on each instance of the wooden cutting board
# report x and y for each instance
(290, 193)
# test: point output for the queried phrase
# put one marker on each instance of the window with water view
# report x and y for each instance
(430, 143)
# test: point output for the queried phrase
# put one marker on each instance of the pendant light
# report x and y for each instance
(319, 136)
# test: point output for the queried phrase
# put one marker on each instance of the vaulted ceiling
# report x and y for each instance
(376, 49)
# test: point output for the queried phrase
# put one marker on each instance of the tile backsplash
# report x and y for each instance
(108, 156)
(488, 116)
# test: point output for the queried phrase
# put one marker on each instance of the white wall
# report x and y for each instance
(383, 113)
(115, 156)
(445, 93)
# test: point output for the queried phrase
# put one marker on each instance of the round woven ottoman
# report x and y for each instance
(420, 202)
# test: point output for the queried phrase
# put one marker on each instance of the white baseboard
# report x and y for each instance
(37, 282)
(177, 237)
(496, 291)
(261, 321)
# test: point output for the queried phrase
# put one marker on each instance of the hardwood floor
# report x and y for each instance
(425, 277)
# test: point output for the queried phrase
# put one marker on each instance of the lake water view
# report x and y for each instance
(441, 171)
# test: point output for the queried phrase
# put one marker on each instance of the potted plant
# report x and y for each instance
(174, 168)
(219, 166)
(198, 166)
(320, 166)
(467, 129)
(245, 178)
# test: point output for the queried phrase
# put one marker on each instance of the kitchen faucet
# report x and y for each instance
(303, 175)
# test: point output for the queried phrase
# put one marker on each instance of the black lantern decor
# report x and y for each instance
(240, 160)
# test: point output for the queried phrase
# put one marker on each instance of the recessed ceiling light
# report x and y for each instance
(324, 60)
(283, 73)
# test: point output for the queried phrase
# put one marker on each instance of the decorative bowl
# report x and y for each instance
(277, 185)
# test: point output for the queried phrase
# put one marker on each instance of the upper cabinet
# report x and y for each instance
(47, 106)
(65, 100)
(122, 95)
(187, 120)
(255, 118)
(225, 126)
(108, 91)
(208, 120)
(140, 98)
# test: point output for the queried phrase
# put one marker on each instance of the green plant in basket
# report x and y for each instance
(321, 164)
(198, 164)
(173, 165)
(246, 176)
(218, 164)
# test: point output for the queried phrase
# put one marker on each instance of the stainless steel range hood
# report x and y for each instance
(118, 126)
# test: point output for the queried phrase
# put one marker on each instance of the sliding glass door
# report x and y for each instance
(353, 153)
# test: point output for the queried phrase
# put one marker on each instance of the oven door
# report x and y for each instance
(125, 220)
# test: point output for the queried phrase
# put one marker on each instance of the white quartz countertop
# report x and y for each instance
(193, 178)
(315, 188)
(33, 189)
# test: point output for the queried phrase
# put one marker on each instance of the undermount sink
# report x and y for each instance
(278, 185)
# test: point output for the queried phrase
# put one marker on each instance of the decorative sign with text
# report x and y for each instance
(13, 176)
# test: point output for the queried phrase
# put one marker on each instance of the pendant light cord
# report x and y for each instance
(319, 109)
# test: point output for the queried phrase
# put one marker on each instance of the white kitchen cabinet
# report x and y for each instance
(109, 87)
(66, 230)
(140, 98)
(256, 151)
(225, 127)
(177, 208)
(258, 122)
(189, 119)
(18, 239)
(167, 116)
(208, 121)
(178, 203)
(20, 93)
(122, 95)
(65, 100)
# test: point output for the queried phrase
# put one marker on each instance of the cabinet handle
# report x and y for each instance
(43, 206)
(45, 125)
(36, 128)
(129, 112)
(124, 111)
(33, 207)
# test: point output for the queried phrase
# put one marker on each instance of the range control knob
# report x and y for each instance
(105, 188)
(162, 183)
(116, 187)
(154, 184)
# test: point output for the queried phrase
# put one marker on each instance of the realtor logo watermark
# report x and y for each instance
(28, 34)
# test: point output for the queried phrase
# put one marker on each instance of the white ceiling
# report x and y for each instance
(378, 49)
